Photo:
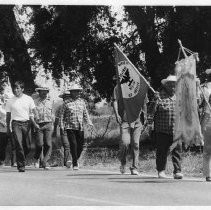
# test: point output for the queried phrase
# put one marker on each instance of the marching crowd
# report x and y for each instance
(23, 116)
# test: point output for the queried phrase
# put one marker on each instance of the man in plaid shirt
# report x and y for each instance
(73, 114)
(164, 119)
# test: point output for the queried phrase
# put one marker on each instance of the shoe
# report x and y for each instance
(122, 169)
(47, 168)
(178, 175)
(46, 165)
(134, 171)
(68, 163)
(208, 179)
(162, 175)
(37, 163)
(14, 165)
(2, 164)
(21, 169)
(75, 168)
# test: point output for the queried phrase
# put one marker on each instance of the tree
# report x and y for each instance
(161, 27)
(16, 58)
(77, 40)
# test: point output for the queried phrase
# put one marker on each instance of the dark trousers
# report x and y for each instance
(22, 136)
(163, 143)
(76, 141)
(66, 146)
(43, 142)
(4, 140)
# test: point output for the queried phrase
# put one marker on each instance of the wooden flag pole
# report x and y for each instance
(182, 48)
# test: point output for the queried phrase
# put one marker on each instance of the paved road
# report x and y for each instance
(65, 187)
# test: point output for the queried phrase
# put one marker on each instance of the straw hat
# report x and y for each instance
(208, 71)
(65, 93)
(43, 87)
(75, 87)
(170, 78)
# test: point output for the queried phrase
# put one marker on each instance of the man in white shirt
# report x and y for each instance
(20, 111)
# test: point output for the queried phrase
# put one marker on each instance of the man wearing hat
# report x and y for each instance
(206, 125)
(73, 115)
(164, 119)
(44, 118)
(65, 143)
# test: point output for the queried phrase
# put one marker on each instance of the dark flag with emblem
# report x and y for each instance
(132, 85)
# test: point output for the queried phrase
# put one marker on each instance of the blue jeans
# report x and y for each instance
(130, 136)
(206, 128)
(43, 142)
(163, 143)
(76, 141)
(21, 131)
(66, 146)
(4, 140)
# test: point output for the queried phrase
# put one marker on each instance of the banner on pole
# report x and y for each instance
(187, 126)
(132, 84)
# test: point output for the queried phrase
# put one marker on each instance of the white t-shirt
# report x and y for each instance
(3, 128)
(20, 108)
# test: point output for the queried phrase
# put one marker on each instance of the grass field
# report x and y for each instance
(101, 150)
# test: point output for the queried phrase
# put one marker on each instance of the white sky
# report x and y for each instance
(109, 2)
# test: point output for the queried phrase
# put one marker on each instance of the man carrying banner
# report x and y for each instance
(129, 101)
(164, 119)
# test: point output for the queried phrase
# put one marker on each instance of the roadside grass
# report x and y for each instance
(101, 151)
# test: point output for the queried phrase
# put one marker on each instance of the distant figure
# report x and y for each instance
(206, 126)
(4, 137)
(73, 114)
(130, 133)
(163, 110)
(20, 109)
(64, 139)
(43, 135)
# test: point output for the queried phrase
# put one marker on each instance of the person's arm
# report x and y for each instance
(61, 117)
(3, 116)
(86, 116)
(152, 107)
(8, 119)
(114, 103)
(57, 120)
(115, 107)
(34, 113)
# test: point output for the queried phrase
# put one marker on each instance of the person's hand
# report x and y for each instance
(156, 95)
(197, 81)
(8, 131)
(91, 127)
(61, 130)
(150, 119)
(118, 119)
(36, 126)
(54, 134)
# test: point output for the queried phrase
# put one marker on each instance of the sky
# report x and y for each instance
(109, 2)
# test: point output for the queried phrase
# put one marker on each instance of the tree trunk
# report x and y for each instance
(14, 48)
(144, 19)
